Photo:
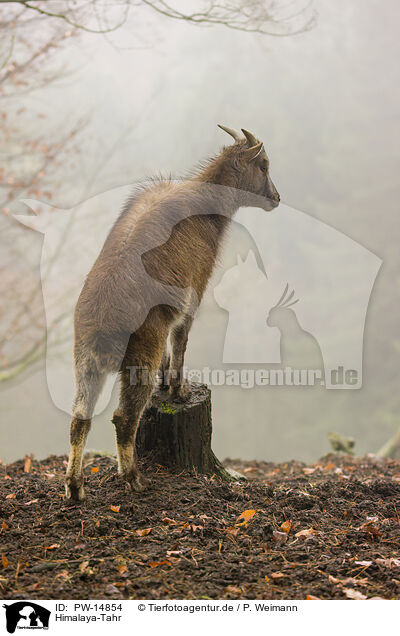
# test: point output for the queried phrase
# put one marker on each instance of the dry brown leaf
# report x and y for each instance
(53, 546)
(156, 564)
(115, 508)
(143, 532)
(245, 517)
(94, 469)
(168, 520)
(83, 566)
(11, 496)
(28, 463)
(4, 526)
(4, 561)
(277, 575)
(354, 594)
(233, 589)
(194, 528)
(305, 533)
(286, 525)
(122, 568)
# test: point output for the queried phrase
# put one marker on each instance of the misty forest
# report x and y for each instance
(275, 474)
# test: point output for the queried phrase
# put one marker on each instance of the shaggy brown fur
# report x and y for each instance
(146, 285)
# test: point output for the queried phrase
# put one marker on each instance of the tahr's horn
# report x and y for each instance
(231, 132)
(253, 141)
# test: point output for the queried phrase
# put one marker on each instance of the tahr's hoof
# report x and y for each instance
(138, 483)
(74, 492)
(179, 393)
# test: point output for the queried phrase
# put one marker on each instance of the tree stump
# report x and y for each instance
(178, 435)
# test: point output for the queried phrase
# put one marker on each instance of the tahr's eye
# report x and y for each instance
(264, 166)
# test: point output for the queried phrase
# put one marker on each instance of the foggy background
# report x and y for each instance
(325, 103)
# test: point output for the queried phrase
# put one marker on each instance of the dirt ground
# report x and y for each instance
(328, 531)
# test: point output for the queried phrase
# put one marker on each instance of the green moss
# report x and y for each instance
(167, 408)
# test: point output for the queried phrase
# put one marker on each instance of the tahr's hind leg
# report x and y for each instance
(126, 419)
(89, 384)
(144, 354)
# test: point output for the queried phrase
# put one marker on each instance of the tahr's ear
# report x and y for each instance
(251, 153)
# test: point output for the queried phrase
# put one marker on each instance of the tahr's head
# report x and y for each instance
(247, 169)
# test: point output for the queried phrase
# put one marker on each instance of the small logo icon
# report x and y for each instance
(26, 615)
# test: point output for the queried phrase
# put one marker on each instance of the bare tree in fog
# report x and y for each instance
(271, 17)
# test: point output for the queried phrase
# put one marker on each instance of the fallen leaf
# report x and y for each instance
(122, 568)
(277, 575)
(5, 562)
(4, 526)
(168, 520)
(305, 533)
(310, 597)
(156, 564)
(143, 532)
(53, 546)
(354, 594)
(83, 566)
(233, 589)
(245, 517)
(10, 496)
(286, 525)
(115, 508)
(195, 528)
(333, 579)
(94, 469)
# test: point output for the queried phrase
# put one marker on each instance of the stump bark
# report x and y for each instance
(178, 435)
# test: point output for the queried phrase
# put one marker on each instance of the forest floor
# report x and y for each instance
(328, 531)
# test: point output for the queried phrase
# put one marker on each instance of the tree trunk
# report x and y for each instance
(391, 448)
(178, 435)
